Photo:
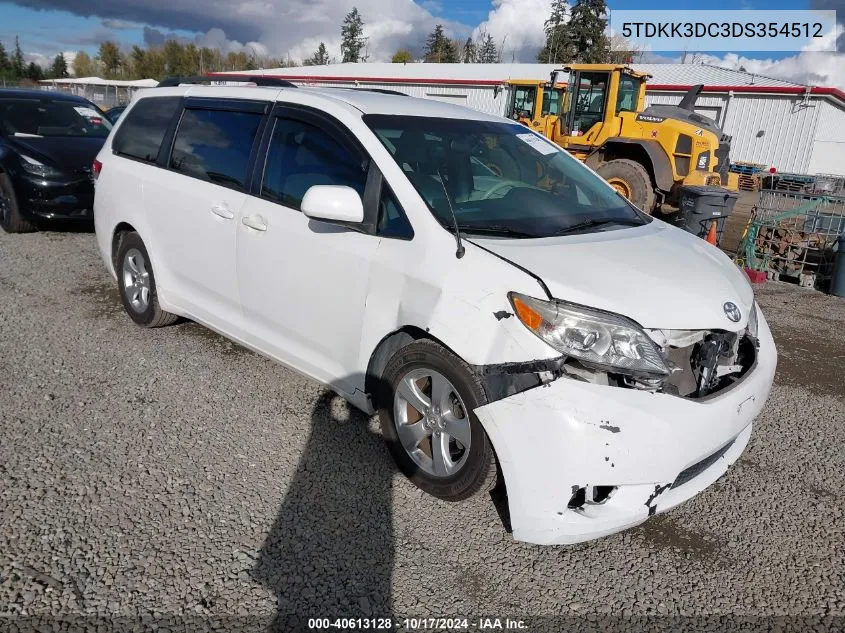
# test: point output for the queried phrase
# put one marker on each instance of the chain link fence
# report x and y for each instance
(105, 95)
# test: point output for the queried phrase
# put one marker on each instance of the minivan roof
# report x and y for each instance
(365, 101)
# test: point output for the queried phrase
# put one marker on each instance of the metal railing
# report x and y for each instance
(794, 228)
(104, 96)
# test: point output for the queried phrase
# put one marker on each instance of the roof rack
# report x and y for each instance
(258, 80)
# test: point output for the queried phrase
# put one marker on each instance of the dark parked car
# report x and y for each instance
(113, 114)
(48, 142)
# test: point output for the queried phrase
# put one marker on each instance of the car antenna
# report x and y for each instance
(461, 250)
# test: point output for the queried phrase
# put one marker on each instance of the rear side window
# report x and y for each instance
(302, 155)
(215, 145)
(143, 129)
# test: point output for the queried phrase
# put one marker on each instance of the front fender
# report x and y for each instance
(461, 302)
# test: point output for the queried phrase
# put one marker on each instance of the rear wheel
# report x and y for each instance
(426, 408)
(137, 284)
(10, 212)
(630, 179)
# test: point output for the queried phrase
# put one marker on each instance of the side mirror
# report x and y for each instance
(333, 203)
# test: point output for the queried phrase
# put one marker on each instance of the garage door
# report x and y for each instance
(828, 157)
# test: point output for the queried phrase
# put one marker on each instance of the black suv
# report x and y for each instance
(48, 142)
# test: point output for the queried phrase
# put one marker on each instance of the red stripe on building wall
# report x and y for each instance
(792, 90)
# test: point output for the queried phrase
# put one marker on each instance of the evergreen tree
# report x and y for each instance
(33, 71)
(487, 52)
(18, 65)
(470, 52)
(319, 58)
(5, 63)
(586, 30)
(59, 68)
(439, 48)
(402, 56)
(558, 47)
(352, 36)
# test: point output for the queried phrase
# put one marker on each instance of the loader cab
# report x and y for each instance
(597, 94)
(537, 105)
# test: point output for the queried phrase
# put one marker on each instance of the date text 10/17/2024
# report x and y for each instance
(418, 624)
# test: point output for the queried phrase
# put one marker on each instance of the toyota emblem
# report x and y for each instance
(732, 311)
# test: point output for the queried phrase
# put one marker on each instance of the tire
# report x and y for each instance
(631, 179)
(136, 283)
(10, 212)
(465, 471)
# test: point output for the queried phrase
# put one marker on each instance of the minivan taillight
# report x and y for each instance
(96, 168)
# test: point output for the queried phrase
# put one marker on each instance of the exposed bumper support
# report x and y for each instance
(556, 438)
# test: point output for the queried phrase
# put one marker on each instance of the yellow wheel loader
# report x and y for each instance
(646, 154)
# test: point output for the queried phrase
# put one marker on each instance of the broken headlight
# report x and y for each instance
(752, 321)
(600, 339)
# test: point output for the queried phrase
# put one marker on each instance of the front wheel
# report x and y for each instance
(426, 403)
(630, 179)
(11, 218)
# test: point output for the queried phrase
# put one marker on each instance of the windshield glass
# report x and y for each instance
(629, 90)
(24, 117)
(500, 178)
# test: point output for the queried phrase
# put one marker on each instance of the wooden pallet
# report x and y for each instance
(749, 183)
(747, 169)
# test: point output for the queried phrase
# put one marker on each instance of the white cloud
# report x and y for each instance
(40, 60)
(816, 69)
(46, 61)
(282, 27)
(519, 25)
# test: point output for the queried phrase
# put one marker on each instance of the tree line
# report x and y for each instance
(14, 68)
(573, 33)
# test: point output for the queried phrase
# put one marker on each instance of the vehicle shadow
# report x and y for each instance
(330, 550)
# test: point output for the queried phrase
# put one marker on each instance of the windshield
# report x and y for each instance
(629, 90)
(32, 117)
(523, 102)
(500, 178)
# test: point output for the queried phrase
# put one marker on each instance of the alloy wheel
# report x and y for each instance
(136, 280)
(432, 422)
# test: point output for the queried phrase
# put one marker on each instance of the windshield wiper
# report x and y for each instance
(588, 224)
(500, 229)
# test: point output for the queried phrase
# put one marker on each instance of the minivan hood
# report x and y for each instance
(657, 275)
(64, 152)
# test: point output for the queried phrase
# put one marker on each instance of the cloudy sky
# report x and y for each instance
(296, 27)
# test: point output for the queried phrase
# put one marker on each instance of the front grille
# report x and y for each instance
(684, 144)
(696, 469)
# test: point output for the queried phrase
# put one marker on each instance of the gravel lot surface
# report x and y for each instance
(172, 472)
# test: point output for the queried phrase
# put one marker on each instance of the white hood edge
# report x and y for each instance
(657, 275)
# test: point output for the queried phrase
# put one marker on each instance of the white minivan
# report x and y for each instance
(502, 308)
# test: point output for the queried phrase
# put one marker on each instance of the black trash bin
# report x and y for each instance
(700, 205)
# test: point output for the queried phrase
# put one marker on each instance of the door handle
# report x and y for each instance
(254, 222)
(221, 210)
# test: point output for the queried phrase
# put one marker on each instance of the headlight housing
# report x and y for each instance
(600, 339)
(37, 168)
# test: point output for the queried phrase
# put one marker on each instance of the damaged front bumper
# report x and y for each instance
(652, 451)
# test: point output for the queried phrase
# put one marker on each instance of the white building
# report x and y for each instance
(792, 127)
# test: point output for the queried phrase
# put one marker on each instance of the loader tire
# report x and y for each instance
(630, 179)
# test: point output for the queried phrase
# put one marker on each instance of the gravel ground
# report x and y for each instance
(172, 473)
